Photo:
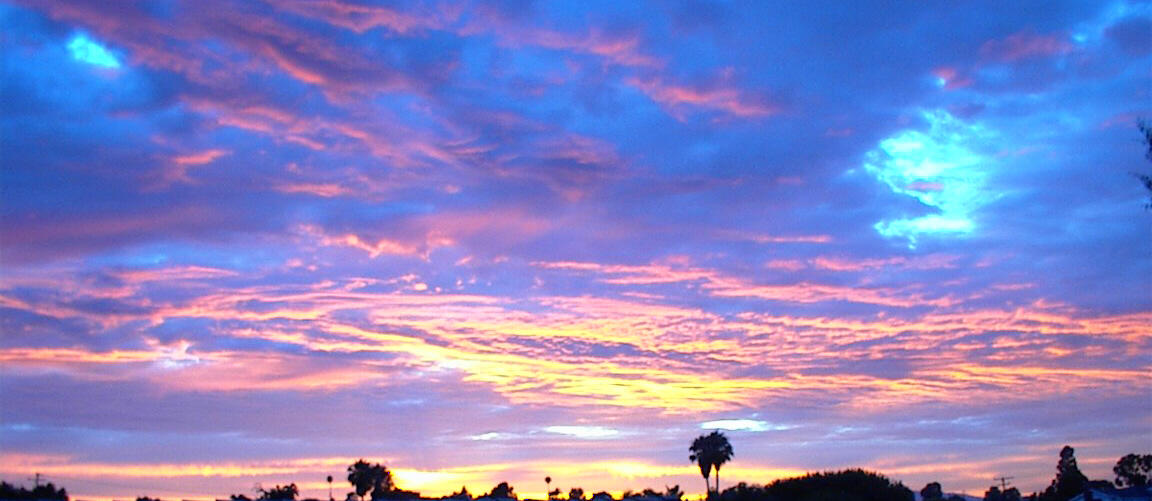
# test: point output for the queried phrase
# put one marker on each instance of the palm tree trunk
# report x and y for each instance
(717, 481)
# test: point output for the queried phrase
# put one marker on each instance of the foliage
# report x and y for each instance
(995, 494)
(847, 485)
(461, 494)
(1134, 470)
(710, 452)
(502, 490)
(1146, 179)
(289, 491)
(576, 494)
(932, 491)
(46, 491)
(745, 492)
(1069, 480)
(374, 478)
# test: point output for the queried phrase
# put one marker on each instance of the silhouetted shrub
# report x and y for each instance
(847, 485)
(46, 491)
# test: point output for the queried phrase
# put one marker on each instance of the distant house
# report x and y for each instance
(1102, 493)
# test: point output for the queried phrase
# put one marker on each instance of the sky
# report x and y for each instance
(252, 242)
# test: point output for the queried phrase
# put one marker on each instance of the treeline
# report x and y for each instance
(846, 485)
(374, 481)
(40, 492)
(1133, 472)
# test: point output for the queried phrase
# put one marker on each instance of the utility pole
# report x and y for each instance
(1003, 482)
(37, 480)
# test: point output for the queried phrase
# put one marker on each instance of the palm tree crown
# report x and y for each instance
(710, 451)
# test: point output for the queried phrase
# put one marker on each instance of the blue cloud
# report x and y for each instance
(86, 50)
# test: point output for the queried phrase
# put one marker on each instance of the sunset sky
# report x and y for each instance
(252, 242)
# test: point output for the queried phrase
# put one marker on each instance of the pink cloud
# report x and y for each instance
(676, 98)
(361, 18)
(1025, 44)
(178, 167)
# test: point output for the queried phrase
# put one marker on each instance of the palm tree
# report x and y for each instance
(700, 455)
(710, 451)
(722, 454)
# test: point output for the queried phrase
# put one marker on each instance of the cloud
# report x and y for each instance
(1024, 45)
(943, 168)
(542, 234)
(85, 50)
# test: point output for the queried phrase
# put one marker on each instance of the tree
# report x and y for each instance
(1069, 480)
(699, 455)
(847, 485)
(1134, 470)
(279, 492)
(710, 452)
(41, 492)
(366, 477)
(462, 494)
(932, 491)
(1146, 179)
(502, 490)
(548, 487)
(576, 494)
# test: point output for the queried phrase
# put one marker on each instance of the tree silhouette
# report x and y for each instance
(700, 455)
(366, 477)
(502, 490)
(1069, 480)
(1146, 179)
(1133, 470)
(576, 494)
(40, 492)
(279, 492)
(710, 452)
(932, 491)
(847, 485)
(462, 494)
(548, 487)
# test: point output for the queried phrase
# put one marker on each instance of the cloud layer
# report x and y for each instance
(255, 241)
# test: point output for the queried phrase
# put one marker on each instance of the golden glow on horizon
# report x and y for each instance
(613, 476)
(495, 344)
